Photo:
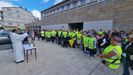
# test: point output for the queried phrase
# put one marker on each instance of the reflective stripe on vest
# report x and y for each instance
(116, 64)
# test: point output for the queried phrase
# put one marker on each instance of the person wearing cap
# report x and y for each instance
(128, 55)
(111, 57)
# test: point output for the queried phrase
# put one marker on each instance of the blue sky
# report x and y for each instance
(34, 6)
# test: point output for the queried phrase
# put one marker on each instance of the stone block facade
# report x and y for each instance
(120, 11)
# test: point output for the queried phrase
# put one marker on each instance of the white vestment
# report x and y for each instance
(18, 46)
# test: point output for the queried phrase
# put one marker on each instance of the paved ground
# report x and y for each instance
(52, 60)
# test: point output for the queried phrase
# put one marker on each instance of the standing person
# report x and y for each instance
(59, 32)
(127, 53)
(101, 43)
(42, 35)
(39, 34)
(78, 39)
(100, 32)
(17, 45)
(53, 35)
(111, 57)
(85, 43)
(33, 35)
(92, 46)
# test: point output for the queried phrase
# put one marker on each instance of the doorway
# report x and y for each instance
(74, 26)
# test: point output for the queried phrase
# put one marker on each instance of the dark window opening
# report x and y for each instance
(74, 26)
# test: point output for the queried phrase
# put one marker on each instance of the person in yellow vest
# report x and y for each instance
(77, 31)
(59, 36)
(56, 36)
(73, 37)
(64, 34)
(78, 39)
(85, 43)
(53, 35)
(42, 34)
(92, 46)
(100, 32)
(49, 35)
(46, 35)
(111, 57)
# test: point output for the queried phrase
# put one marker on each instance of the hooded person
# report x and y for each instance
(17, 44)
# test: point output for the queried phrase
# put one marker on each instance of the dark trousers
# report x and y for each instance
(82, 46)
(59, 40)
(53, 39)
(48, 39)
(126, 66)
(42, 37)
(74, 44)
(39, 38)
(92, 52)
(65, 43)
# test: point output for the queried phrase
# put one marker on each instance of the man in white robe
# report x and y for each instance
(17, 45)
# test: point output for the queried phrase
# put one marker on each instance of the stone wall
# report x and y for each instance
(120, 11)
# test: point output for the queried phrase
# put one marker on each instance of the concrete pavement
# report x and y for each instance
(52, 60)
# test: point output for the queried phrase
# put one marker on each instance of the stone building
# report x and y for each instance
(16, 16)
(88, 14)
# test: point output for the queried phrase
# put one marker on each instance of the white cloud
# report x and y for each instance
(57, 1)
(45, 1)
(36, 13)
(6, 4)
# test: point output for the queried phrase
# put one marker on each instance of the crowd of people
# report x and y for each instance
(112, 46)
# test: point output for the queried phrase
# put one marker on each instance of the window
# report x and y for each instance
(17, 11)
(62, 8)
(65, 7)
(8, 9)
(75, 4)
(56, 11)
(71, 5)
(82, 2)
(52, 12)
(93, 0)
(10, 23)
(100, 0)
(68, 6)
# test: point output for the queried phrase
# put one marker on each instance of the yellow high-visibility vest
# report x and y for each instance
(91, 43)
(116, 64)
